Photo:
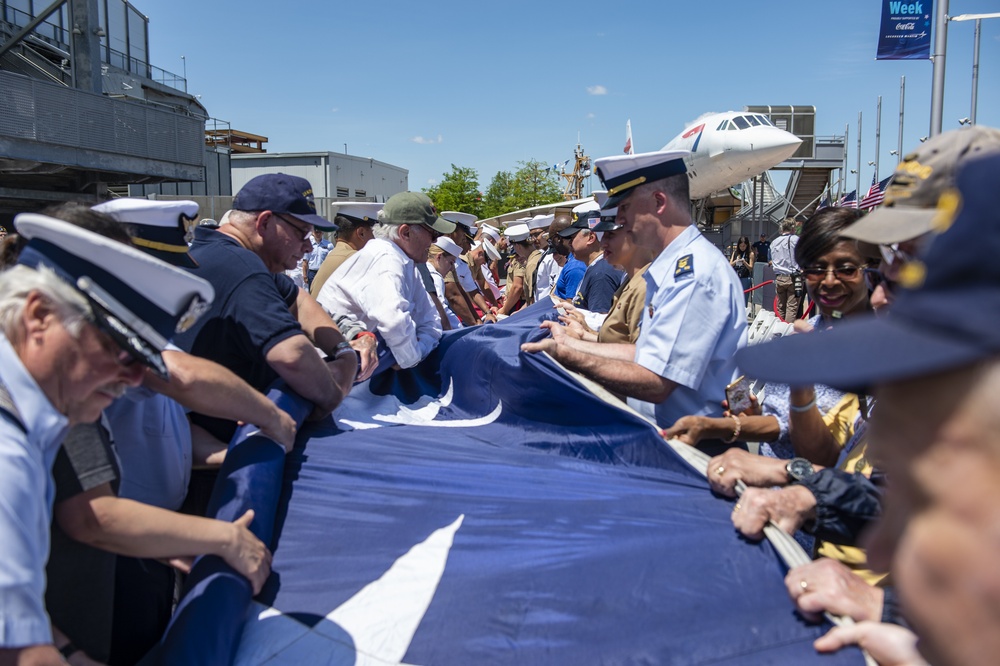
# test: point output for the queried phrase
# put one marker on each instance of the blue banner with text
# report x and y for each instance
(905, 33)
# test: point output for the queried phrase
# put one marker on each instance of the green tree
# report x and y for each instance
(458, 190)
(535, 185)
(499, 197)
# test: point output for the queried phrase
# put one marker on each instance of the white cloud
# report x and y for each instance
(590, 116)
(423, 141)
(597, 90)
(334, 109)
(432, 181)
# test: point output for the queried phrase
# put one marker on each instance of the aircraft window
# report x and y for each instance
(741, 122)
(766, 121)
(722, 125)
(753, 120)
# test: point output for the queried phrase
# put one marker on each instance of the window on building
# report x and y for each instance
(360, 193)
(343, 193)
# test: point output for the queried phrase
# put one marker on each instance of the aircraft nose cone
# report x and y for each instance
(774, 145)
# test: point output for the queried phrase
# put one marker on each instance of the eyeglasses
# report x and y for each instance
(874, 278)
(845, 272)
(305, 233)
(895, 256)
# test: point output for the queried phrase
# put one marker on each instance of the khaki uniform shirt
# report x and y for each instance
(622, 322)
(337, 256)
(530, 272)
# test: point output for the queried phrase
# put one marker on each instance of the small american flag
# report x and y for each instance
(875, 194)
(849, 200)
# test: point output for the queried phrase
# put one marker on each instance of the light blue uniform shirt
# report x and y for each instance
(26, 495)
(694, 322)
(153, 439)
(320, 249)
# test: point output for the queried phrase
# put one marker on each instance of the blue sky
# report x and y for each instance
(423, 85)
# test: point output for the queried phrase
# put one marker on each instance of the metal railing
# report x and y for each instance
(59, 37)
(34, 110)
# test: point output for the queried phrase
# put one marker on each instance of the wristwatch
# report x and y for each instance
(798, 469)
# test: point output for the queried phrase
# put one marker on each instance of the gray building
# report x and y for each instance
(83, 110)
(333, 175)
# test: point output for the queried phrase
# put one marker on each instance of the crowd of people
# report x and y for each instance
(130, 355)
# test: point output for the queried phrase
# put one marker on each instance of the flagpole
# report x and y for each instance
(940, 46)
(857, 175)
(843, 169)
(899, 141)
(878, 135)
(975, 72)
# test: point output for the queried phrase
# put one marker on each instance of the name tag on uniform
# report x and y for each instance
(685, 266)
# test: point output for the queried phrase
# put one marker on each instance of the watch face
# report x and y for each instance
(799, 468)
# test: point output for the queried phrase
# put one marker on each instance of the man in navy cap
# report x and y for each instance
(934, 366)
(261, 326)
(82, 316)
(600, 279)
(694, 320)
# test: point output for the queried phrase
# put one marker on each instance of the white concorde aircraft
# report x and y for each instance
(729, 148)
(726, 149)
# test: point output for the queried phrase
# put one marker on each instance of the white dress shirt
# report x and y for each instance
(379, 285)
(438, 280)
(548, 273)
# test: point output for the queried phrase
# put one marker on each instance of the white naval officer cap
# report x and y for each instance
(138, 300)
(158, 226)
(516, 233)
(465, 220)
(449, 246)
(491, 232)
(622, 173)
(540, 222)
(364, 212)
(489, 248)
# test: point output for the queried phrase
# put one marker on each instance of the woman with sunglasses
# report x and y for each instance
(794, 421)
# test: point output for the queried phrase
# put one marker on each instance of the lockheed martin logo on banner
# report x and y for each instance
(906, 30)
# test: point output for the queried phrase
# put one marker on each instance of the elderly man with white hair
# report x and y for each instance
(379, 284)
(80, 317)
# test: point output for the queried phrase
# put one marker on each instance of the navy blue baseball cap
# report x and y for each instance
(282, 193)
(947, 313)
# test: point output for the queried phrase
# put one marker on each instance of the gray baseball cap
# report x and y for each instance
(911, 197)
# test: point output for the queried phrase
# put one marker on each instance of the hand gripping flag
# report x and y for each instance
(485, 507)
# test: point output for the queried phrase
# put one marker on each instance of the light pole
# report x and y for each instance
(184, 63)
(978, 18)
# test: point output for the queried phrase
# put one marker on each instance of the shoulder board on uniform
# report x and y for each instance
(684, 265)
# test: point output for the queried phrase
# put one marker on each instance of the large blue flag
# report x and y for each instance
(485, 507)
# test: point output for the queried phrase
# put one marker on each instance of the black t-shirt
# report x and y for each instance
(763, 250)
(79, 592)
(250, 314)
(598, 287)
